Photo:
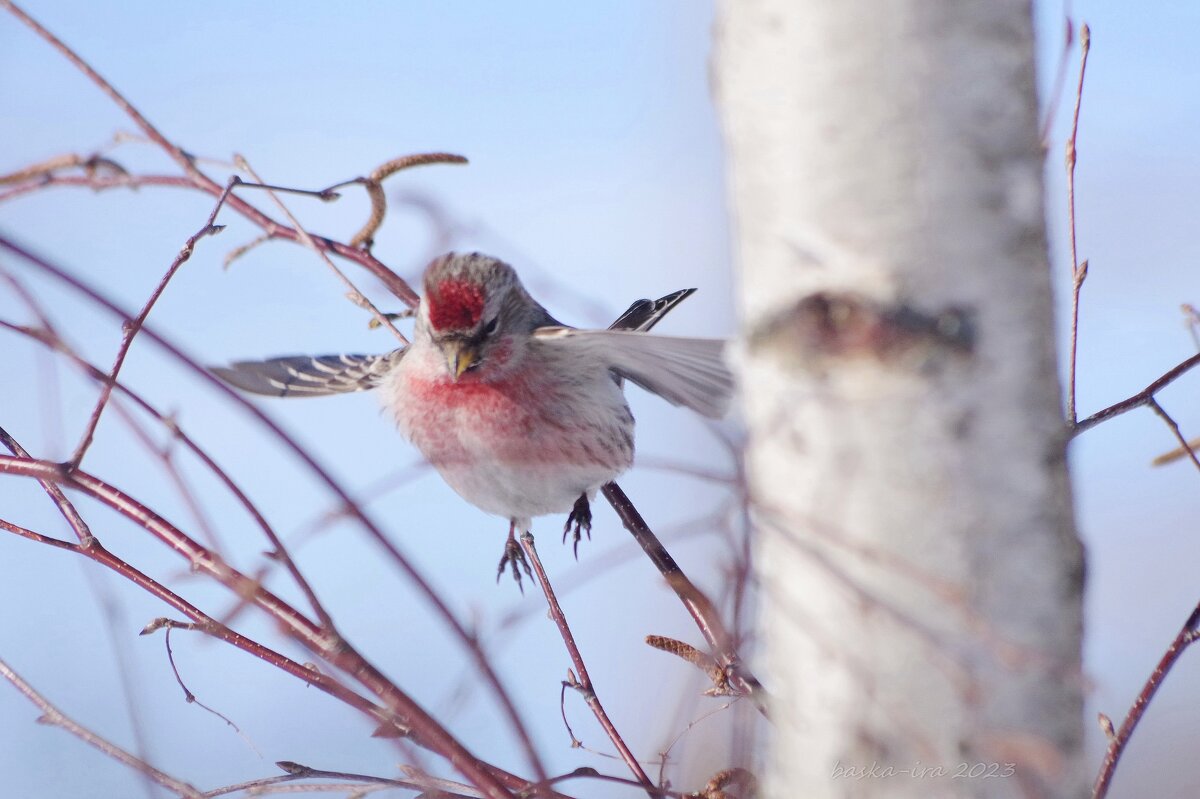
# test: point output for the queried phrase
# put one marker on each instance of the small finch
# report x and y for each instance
(520, 414)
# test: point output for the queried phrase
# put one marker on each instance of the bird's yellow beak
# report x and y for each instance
(460, 356)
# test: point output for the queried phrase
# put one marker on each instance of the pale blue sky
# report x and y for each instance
(596, 169)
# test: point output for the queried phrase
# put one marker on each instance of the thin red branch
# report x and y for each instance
(587, 690)
(1117, 743)
(221, 631)
(271, 229)
(208, 625)
(95, 551)
(82, 532)
(280, 552)
(334, 649)
(97, 183)
(1186, 637)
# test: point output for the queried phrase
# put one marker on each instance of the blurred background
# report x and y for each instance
(596, 169)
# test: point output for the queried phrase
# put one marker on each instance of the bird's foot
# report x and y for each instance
(581, 520)
(514, 558)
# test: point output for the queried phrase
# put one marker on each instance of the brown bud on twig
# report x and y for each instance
(391, 729)
(1106, 726)
(163, 622)
(293, 768)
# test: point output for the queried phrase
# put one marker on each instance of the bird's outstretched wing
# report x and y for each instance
(309, 375)
(683, 371)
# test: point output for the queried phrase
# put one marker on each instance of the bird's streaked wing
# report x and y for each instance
(309, 375)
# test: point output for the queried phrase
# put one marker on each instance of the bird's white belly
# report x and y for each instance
(522, 492)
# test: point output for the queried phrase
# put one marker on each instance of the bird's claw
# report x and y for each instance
(514, 558)
(581, 520)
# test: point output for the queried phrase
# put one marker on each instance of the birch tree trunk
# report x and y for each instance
(922, 579)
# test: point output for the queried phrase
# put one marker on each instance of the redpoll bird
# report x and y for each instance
(520, 414)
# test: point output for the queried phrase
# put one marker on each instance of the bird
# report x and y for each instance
(521, 415)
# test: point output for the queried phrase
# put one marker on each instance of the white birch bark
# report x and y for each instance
(922, 579)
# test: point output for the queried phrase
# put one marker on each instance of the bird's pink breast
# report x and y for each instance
(519, 444)
(512, 421)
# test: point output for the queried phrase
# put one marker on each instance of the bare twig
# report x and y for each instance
(1078, 270)
(52, 489)
(132, 326)
(205, 623)
(272, 229)
(335, 650)
(1171, 423)
(95, 551)
(588, 773)
(87, 540)
(188, 696)
(1186, 451)
(1192, 320)
(707, 618)
(54, 716)
(34, 172)
(1118, 741)
(1143, 397)
(324, 195)
(294, 772)
(585, 687)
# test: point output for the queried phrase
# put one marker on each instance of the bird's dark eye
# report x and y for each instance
(490, 327)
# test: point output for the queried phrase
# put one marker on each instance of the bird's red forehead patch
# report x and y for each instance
(454, 304)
